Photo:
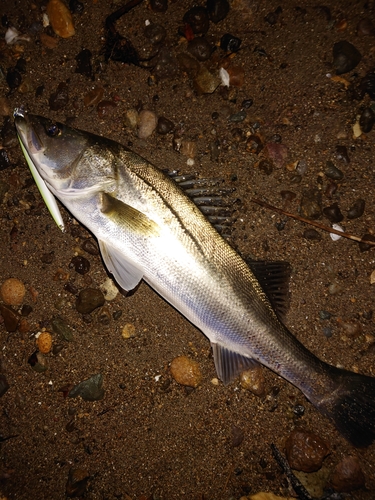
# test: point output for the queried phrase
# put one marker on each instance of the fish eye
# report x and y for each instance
(53, 130)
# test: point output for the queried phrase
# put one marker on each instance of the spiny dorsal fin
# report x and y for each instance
(213, 200)
(230, 364)
(274, 278)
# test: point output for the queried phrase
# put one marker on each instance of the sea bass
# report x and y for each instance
(148, 228)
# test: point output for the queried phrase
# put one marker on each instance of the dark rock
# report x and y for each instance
(90, 389)
(345, 57)
(332, 172)
(61, 328)
(76, 484)
(197, 18)
(230, 43)
(88, 300)
(217, 10)
(367, 85)
(84, 64)
(4, 160)
(90, 246)
(4, 386)
(357, 209)
(312, 234)
(238, 117)
(38, 362)
(366, 120)
(155, 33)
(272, 17)
(333, 213)
(348, 475)
(166, 66)
(13, 78)
(278, 153)
(254, 144)
(365, 27)
(305, 451)
(48, 258)
(247, 103)
(80, 264)
(363, 247)
(342, 154)
(200, 48)
(105, 108)
(59, 99)
(237, 436)
(164, 126)
(76, 7)
(11, 318)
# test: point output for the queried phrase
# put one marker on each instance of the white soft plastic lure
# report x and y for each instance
(47, 196)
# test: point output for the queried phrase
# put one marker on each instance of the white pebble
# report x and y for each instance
(334, 236)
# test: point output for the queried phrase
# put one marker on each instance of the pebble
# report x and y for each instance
(38, 362)
(84, 64)
(186, 371)
(315, 482)
(253, 380)
(342, 154)
(109, 289)
(367, 120)
(12, 292)
(44, 342)
(48, 41)
(90, 246)
(351, 328)
(230, 43)
(217, 10)
(237, 436)
(128, 331)
(236, 76)
(60, 18)
(88, 300)
(364, 247)
(11, 318)
(333, 213)
(80, 264)
(365, 27)
(357, 209)
(59, 99)
(90, 389)
(4, 107)
(155, 33)
(347, 475)
(4, 386)
(188, 64)
(147, 122)
(105, 108)
(76, 483)
(131, 118)
(312, 234)
(254, 144)
(93, 97)
(189, 149)
(197, 18)
(332, 172)
(311, 204)
(166, 66)
(164, 126)
(305, 451)
(205, 82)
(345, 57)
(335, 288)
(13, 78)
(278, 153)
(62, 329)
(76, 7)
(238, 117)
(200, 48)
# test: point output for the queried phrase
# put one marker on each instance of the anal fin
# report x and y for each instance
(230, 364)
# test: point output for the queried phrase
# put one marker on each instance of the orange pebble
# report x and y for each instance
(60, 18)
(44, 342)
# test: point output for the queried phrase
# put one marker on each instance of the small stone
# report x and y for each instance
(147, 122)
(84, 64)
(367, 120)
(312, 234)
(90, 246)
(164, 126)
(189, 149)
(48, 41)
(93, 97)
(348, 475)
(237, 436)
(61, 328)
(197, 19)
(200, 48)
(76, 7)
(357, 209)
(335, 288)
(333, 213)
(351, 328)
(80, 264)
(159, 5)
(4, 386)
(11, 318)
(12, 292)
(254, 145)
(364, 247)
(105, 108)
(155, 33)
(365, 27)
(59, 99)
(305, 451)
(217, 10)
(38, 362)
(60, 18)
(90, 389)
(253, 380)
(345, 57)
(278, 153)
(109, 289)
(333, 172)
(186, 371)
(13, 78)
(131, 118)
(128, 331)
(88, 300)
(230, 43)
(236, 76)
(342, 154)
(76, 484)
(238, 117)
(44, 342)
(205, 82)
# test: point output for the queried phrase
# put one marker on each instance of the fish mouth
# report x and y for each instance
(27, 133)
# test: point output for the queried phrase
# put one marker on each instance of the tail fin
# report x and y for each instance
(352, 406)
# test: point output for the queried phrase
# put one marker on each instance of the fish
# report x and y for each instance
(148, 228)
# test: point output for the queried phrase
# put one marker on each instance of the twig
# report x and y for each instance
(313, 223)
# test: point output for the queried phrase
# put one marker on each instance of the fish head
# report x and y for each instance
(63, 156)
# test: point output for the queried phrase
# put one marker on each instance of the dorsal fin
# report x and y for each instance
(213, 200)
(274, 278)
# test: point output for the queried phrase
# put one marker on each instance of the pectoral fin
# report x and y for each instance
(230, 364)
(128, 217)
(126, 273)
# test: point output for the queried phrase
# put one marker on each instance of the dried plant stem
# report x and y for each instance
(312, 223)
